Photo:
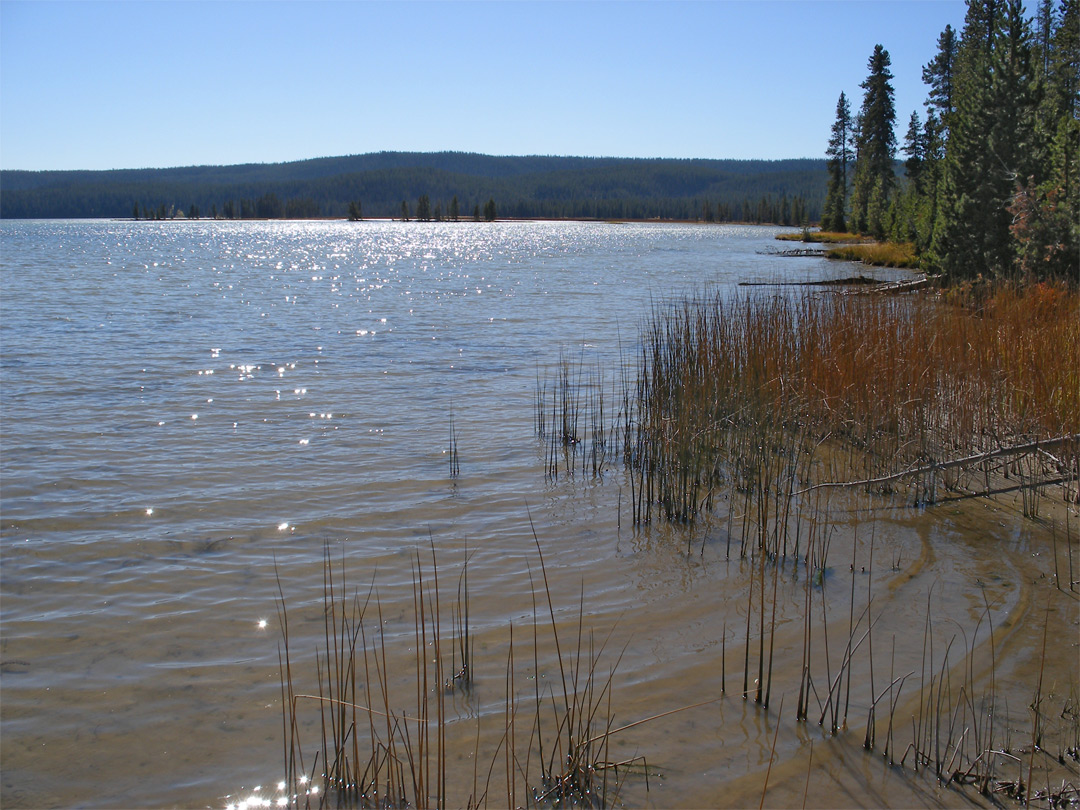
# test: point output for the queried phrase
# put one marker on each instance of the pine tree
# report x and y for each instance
(839, 153)
(489, 210)
(915, 149)
(454, 209)
(990, 148)
(1045, 209)
(876, 142)
(939, 75)
(423, 208)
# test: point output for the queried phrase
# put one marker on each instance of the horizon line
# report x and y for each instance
(406, 152)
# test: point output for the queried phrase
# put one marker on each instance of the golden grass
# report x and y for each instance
(879, 254)
(827, 237)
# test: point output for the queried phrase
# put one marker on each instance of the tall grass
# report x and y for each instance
(878, 254)
(828, 237)
(755, 401)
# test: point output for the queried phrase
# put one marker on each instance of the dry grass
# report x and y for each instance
(878, 254)
(737, 397)
(827, 237)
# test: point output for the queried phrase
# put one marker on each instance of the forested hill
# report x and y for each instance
(785, 191)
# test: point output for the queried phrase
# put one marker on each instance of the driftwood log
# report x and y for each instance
(937, 466)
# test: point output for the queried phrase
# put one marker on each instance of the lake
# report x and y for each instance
(196, 411)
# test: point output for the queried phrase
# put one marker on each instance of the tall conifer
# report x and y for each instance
(876, 142)
(990, 149)
(839, 152)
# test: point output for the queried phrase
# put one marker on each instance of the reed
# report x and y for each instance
(740, 401)
(573, 420)
(375, 746)
(455, 460)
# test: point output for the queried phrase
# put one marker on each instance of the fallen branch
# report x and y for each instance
(1013, 450)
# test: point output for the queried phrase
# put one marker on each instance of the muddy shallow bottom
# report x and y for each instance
(967, 603)
(952, 621)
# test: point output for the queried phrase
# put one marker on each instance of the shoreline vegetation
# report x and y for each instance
(766, 422)
(854, 247)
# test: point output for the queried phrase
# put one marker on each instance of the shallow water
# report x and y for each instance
(192, 409)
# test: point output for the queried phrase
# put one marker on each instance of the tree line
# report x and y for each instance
(991, 177)
(767, 209)
(784, 192)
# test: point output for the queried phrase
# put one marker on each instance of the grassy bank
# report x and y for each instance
(824, 237)
(878, 254)
(856, 248)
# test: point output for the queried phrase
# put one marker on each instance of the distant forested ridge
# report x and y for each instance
(384, 184)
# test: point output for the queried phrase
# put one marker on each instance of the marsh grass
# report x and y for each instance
(754, 402)
(878, 254)
(768, 414)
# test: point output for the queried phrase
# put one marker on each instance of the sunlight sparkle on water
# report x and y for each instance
(262, 626)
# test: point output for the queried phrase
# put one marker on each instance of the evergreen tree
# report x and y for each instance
(454, 208)
(489, 210)
(939, 75)
(876, 143)
(915, 149)
(404, 211)
(423, 208)
(1046, 207)
(355, 214)
(839, 153)
(990, 148)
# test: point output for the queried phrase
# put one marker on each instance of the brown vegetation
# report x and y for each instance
(734, 397)
(828, 237)
(878, 254)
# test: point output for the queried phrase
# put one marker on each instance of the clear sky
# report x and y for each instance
(102, 85)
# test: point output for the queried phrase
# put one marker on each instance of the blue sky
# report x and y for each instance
(102, 85)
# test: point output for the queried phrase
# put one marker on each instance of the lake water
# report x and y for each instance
(190, 410)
